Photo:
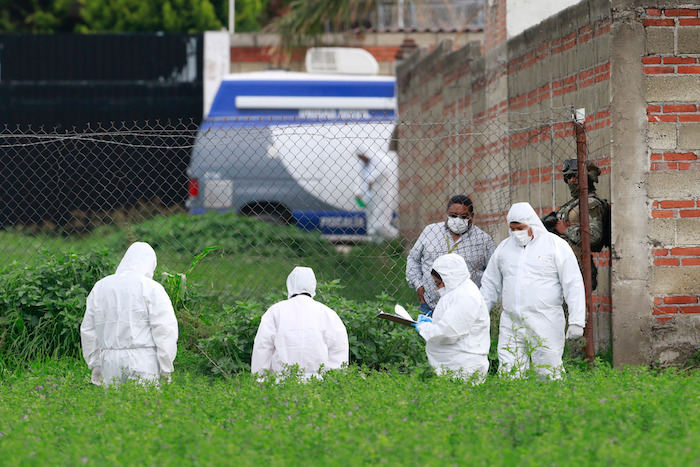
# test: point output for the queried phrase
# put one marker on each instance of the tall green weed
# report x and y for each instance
(42, 306)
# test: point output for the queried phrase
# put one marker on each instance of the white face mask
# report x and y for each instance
(457, 225)
(521, 237)
(442, 291)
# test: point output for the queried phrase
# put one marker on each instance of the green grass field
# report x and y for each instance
(215, 413)
(51, 415)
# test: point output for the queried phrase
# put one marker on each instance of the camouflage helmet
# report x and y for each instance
(570, 169)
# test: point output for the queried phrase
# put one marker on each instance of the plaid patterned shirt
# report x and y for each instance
(475, 246)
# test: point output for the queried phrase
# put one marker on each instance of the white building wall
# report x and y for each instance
(523, 14)
(217, 62)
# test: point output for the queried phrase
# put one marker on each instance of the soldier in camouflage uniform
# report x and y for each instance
(565, 222)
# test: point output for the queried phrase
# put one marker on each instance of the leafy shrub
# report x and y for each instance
(374, 343)
(233, 234)
(42, 306)
(229, 348)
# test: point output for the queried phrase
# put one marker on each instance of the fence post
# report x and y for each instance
(582, 159)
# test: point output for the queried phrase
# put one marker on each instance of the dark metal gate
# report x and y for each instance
(78, 85)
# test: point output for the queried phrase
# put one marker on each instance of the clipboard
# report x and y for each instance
(396, 318)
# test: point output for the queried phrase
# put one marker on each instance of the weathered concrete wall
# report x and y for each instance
(498, 126)
(631, 267)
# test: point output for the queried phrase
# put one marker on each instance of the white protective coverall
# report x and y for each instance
(300, 331)
(458, 338)
(129, 330)
(379, 188)
(531, 282)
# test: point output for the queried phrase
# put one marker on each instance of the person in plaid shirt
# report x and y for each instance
(457, 234)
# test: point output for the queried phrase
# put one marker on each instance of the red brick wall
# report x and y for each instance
(671, 33)
(500, 129)
(445, 86)
(566, 62)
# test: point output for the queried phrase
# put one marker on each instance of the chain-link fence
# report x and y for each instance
(497, 159)
(306, 195)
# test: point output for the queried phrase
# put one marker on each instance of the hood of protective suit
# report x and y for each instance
(139, 259)
(452, 269)
(374, 152)
(301, 280)
(365, 151)
(525, 214)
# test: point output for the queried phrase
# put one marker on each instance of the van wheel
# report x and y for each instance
(273, 213)
(270, 218)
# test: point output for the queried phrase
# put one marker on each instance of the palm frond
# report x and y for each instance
(307, 20)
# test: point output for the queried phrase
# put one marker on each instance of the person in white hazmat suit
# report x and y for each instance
(300, 331)
(377, 190)
(129, 330)
(531, 272)
(457, 336)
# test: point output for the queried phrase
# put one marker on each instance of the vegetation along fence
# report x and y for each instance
(182, 188)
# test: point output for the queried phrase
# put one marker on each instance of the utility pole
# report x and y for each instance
(231, 16)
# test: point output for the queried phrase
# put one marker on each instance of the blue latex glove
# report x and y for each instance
(424, 319)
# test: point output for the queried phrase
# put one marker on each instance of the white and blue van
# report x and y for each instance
(280, 145)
